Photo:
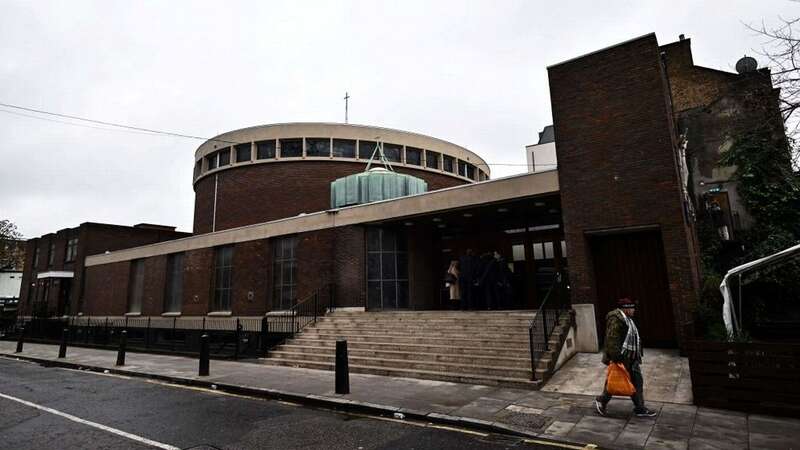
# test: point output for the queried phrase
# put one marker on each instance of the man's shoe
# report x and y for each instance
(645, 413)
(601, 408)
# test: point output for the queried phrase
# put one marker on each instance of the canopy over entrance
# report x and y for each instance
(508, 254)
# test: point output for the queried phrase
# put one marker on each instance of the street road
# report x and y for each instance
(52, 408)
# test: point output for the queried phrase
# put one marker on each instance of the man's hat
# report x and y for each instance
(626, 303)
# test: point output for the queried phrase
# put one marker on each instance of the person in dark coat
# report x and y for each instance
(487, 281)
(504, 289)
(624, 345)
(467, 264)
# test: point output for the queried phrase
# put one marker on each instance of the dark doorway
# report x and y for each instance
(633, 265)
(64, 297)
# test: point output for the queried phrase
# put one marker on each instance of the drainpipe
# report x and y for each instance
(214, 211)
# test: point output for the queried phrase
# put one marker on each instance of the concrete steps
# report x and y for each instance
(303, 351)
(422, 333)
(454, 377)
(455, 328)
(388, 345)
(486, 347)
(487, 341)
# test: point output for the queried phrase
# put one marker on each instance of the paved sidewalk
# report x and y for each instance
(665, 372)
(553, 415)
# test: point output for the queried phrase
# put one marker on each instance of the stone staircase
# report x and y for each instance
(476, 347)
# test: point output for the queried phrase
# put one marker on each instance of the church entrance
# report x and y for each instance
(633, 265)
(510, 253)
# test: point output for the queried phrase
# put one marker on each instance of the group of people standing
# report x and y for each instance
(479, 282)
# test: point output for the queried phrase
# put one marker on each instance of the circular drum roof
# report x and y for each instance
(413, 150)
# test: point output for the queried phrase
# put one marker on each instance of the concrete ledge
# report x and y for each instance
(585, 328)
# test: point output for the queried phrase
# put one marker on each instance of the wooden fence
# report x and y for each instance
(755, 377)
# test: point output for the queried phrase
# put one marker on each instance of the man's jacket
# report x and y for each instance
(616, 330)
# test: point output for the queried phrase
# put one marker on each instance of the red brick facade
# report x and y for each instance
(692, 86)
(107, 289)
(617, 162)
(263, 192)
(326, 257)
(93, 238)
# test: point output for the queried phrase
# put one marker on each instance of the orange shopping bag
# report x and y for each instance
(618, 381)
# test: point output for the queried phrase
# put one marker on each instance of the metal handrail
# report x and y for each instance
(303, 313)
(542, 312)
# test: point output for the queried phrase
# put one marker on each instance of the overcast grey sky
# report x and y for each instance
(473, 73)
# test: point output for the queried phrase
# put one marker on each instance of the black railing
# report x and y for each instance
(229, 337)
(8, 326)
(553, 307)
(305, 312)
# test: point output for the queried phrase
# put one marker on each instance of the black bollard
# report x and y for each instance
(20, 339)
(123, 341)
(62, 350)
(203, 356)
(342, 368)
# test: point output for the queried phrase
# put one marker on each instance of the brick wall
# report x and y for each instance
(349, 266)
(93, 238)
(263, 192)
(198, 273)
(617, 166)
(252, 272)
(323, 257)
(314, 261)
(155, 278)
(692, 86)
(60, 239)
(108, 289)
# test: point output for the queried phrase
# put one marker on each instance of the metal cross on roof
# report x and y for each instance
(346, 101)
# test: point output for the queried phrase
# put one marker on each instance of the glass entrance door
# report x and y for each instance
(387, 269)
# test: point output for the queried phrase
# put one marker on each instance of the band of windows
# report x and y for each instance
(335, 148)
(284, 283)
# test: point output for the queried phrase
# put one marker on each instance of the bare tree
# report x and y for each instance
(781, 47)
(11, 251)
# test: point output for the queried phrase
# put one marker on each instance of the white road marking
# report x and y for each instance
(124, 434)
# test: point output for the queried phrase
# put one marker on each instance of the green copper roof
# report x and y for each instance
(372, 186)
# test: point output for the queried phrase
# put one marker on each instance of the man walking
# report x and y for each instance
(624, 345)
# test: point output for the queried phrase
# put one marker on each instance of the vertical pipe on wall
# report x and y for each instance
(214, 210)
